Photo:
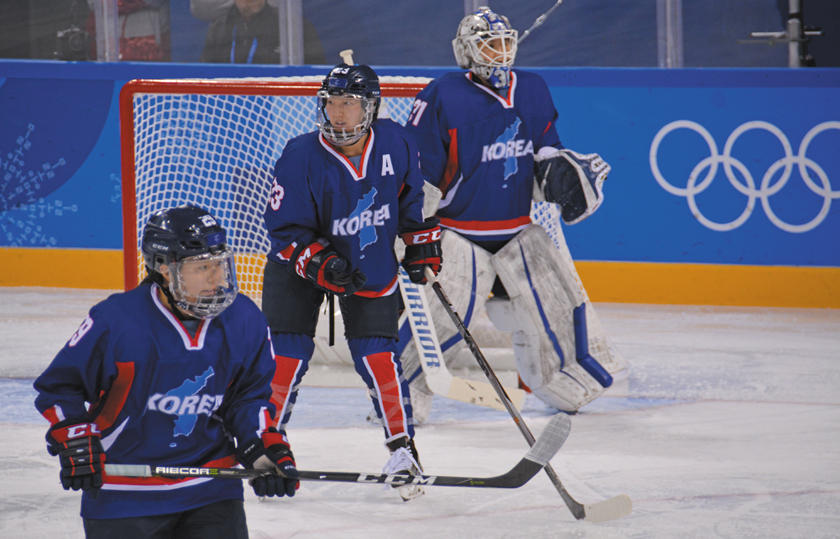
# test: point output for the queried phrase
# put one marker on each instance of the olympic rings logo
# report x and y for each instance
(694, 187)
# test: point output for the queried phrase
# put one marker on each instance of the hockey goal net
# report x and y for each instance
(214, 143)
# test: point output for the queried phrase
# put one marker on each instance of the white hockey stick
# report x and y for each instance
(438, 377)
(539, 22)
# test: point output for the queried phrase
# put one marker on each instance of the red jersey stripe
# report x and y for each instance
(451, 162)
(116, 396)
(389, 288)
(487, 227)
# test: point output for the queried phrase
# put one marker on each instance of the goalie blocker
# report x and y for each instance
(571, 180)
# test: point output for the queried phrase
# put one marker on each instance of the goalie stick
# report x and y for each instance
(610, 509)
(539, 22)
(438, 377)
(546, 446)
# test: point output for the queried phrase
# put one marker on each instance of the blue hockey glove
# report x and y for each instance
(273, 454)
(76, 443)
(422, 248)
(322, 265)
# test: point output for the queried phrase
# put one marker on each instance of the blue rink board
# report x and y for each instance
(60, 161)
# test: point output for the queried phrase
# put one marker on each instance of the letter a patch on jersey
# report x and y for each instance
(387, 166)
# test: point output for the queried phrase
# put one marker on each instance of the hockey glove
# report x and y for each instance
(319, 263)
(422, 248)
(77, 445)
(573, 181)
(273, 454)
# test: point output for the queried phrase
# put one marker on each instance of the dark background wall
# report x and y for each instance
(603, 33)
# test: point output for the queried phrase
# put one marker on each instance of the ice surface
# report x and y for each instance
(727, 427)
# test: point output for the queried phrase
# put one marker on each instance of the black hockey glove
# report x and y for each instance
(273, 454)
(77, 445)
(573, 181)
(422, 248)
(319, 263)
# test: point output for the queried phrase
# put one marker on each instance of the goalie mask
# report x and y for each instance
(187, 245)
(486, 45)
(348, 103)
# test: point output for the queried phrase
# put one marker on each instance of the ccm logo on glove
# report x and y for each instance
(418, 238)
(304, 257)
(75, 431)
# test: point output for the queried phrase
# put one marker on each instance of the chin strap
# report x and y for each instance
(157, 278)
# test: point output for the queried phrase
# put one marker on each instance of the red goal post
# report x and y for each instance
(214, 142)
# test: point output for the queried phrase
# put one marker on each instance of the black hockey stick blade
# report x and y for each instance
(546, 446)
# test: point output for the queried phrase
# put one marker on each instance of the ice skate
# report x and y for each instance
(404, 460)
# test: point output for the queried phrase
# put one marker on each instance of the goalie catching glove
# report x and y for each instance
(422, 248)
(573, 181)
(320, 263)
(76, 443)
(273, 454)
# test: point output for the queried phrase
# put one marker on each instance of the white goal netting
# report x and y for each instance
(214, 143)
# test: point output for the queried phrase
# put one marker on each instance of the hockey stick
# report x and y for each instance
(539, 22)
(613, 508)
(438, 377)
(546, 446)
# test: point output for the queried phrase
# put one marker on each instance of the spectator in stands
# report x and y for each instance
(143, 30)
(248, 32)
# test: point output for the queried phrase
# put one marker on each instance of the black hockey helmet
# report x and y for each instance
(177, 233)
(358, 82)
(187, 233)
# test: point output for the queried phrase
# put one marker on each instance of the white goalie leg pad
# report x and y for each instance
(467, 275)
(543, 297)
(548, 217)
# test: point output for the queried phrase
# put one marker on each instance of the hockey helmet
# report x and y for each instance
(485, 44)
(191, 244)
(358, 82)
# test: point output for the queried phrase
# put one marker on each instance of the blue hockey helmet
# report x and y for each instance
(358, 82)
(178, 241)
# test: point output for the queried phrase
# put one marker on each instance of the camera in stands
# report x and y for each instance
(72, 44)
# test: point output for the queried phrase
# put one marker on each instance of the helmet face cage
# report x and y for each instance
(486, 45)
(345, 136)
(349, 82)
(220, 266)
(183, 235)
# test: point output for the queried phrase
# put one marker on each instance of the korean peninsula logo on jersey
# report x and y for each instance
(363, 221)
(508, 147)
(186, 403)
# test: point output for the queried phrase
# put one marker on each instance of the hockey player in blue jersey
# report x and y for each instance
(169, 374)
(341, 196)
(485, 135)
